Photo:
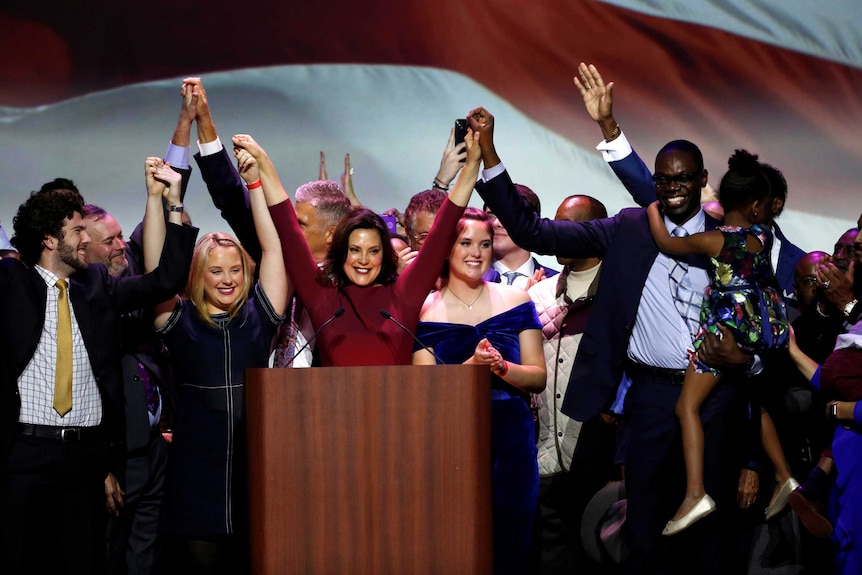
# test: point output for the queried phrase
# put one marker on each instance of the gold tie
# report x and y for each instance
(63, 380)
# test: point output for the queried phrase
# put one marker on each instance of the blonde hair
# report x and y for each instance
(200, 260)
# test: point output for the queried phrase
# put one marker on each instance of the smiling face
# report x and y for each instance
(422, 222)
(678, 183)
(364, 257)
(107, 245)
(72, 243)
(223, 278)
(471, 255)
(843, 253)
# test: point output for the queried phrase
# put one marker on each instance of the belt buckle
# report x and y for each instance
(68, 434)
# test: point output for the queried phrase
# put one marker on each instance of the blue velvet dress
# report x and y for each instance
(515, 474)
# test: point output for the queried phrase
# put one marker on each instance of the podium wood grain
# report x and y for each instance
(370, 470)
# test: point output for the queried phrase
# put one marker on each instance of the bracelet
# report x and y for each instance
(176, 208)
(504, 370)
(614, 135)
(439, 185)
(254, 185)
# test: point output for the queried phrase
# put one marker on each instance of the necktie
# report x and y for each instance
(151, 391)
(63, 378)
(687, 301)
(511, 277)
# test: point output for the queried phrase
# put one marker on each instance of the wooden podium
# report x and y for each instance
(370, 470)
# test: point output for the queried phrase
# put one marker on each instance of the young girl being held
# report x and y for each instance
(742, 296)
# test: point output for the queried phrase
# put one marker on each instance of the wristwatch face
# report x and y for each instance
(849, 307)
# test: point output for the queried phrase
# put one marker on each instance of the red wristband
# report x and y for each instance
(504, 370)
(254, 186)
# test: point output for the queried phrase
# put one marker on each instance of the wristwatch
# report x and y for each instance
(833, 410)
(848, 309)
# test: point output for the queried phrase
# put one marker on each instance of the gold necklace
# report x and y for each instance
(468, 304)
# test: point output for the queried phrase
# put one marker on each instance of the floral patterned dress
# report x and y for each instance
(743, 295)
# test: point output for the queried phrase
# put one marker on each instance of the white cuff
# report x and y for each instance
(617, 149)
(210, 148)
(492, 173)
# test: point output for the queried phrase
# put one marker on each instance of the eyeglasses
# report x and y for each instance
(683, 180)
(420, 238)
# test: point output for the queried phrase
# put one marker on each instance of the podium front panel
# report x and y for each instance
(370, 470)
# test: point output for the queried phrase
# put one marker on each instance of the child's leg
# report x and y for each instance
(695, 389)
(772, 446)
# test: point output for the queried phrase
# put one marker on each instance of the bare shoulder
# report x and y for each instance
(508, 296)
(432, 307)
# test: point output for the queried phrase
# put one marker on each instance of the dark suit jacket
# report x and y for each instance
(627, 250)
(636, 177)
(229, 196)
(492, 275)
(98, 299)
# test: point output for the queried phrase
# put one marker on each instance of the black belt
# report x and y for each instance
(675, 376)
(64, 434)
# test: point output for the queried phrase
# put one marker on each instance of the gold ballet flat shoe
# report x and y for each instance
(700, 510)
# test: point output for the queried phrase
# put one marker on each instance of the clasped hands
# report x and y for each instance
(487, 354)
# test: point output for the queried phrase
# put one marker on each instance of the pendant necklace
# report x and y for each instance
(468, 304)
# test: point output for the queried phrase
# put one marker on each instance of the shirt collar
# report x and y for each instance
(695, 224)
(48, 277)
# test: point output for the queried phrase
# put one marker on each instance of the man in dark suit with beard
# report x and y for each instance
(61, 394)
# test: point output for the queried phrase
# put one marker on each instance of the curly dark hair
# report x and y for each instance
(42, 215)
(744, 182)
(358, 219)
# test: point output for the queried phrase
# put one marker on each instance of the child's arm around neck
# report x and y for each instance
(702, 243)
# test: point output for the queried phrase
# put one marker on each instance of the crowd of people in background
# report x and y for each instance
(679, 397)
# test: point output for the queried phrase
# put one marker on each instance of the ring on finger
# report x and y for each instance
(826, 284)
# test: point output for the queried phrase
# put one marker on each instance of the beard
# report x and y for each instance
(69, 256)
(116, 268)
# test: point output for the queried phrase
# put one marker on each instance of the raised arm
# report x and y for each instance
(460, 194)
(219, 173)
(598, 99)
(298, 262)
(451, 163)
(272, 274)
(346, 178)
(163, 184)
(703, 243)
(632, 172)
